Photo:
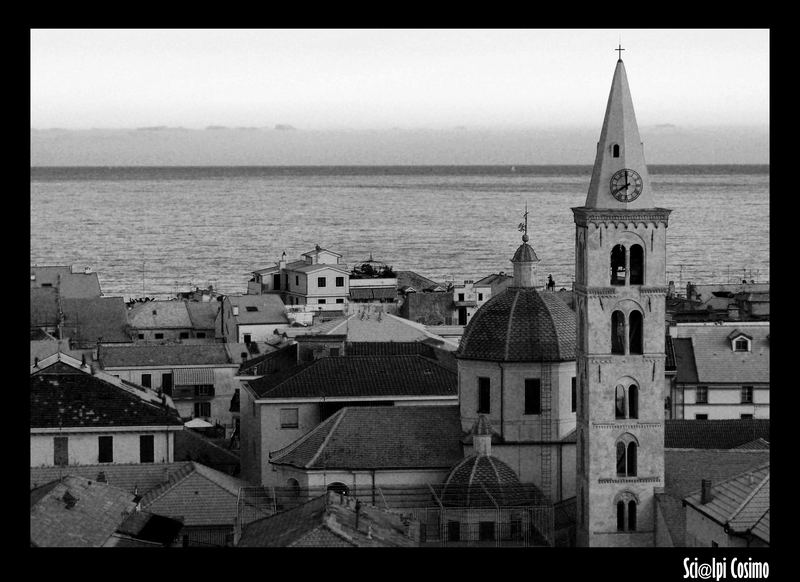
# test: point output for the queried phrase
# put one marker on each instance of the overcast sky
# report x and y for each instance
(383, 79)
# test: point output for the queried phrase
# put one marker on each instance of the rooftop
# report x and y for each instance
(329, 521)
(88, 319)
(715, 359)
(160, 314)
(259, 309)
(168, 355)
(354, 376)
(137, 478)
(713, 434)
(66, 280)
(379, 437)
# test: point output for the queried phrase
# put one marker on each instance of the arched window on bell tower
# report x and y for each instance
(635, 332)
(633, 401)
(619, 402)
(626, 504)
(617, 332)
(626, 399)
(637, 265)
(618, 265)
(615, 150)
(626, 447)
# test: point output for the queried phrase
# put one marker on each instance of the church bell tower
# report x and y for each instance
(620, 292)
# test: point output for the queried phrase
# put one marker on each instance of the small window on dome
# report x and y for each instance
(615, 150)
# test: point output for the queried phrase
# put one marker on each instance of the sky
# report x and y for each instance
(395, 78)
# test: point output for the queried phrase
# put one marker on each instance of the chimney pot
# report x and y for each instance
(705, 491)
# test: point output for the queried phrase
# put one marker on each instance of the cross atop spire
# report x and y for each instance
(619, 50)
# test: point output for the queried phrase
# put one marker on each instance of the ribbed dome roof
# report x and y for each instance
(520, 325)
(468, 483)
(525, 253)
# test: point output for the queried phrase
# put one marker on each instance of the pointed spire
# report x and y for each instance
(620, 178)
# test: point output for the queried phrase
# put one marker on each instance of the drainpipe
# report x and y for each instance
(502, 390)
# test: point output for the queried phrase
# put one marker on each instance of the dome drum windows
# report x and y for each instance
(627, 265)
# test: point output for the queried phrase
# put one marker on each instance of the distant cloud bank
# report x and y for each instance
(284, 145)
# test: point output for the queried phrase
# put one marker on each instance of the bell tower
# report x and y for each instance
(620, 272)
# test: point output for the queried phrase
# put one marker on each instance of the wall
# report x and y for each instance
(702, 530)
(274, 438)
(83, 447)
(249, 437)
(724, 402)
(261, 332)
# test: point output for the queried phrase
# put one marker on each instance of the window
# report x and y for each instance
(146, 448)
(633, 402)
(618, 265)
(484, 395)
(297, 279)
(486, 531)
(201, 334)
(289, 418)
(105, 452)
(631, 515)
(461, 297)
(159, 336)
(203, 390)
(701, 417)
(617, 333)
(747, 394)
(140, 336)
(340, 281)
(251, 308)
(321, 301)
(60, 451)
(626, 455)
(626, 512)
(741, 345)
(340, 300)
(321, 282)
(620, 516)
(637, 265)
(166, 384)
(480, 296)
(574, 398)
(533, 396)
(453, 531)
(619, 402)
(701, 395)
(147, 380)
(202, 409)
(635, 332)
(247, 338)
(334, 352)
(615, 150)
(276, 281)
(184, 335)
(745, 416)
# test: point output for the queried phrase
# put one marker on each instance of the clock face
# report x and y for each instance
(626, 185)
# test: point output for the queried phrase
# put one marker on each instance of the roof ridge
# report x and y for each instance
(508, 327)
(174, 479)
(327, 438)
(293, 445)
(752, 494)
(210, 474)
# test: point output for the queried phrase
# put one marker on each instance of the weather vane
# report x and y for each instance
(523, 226)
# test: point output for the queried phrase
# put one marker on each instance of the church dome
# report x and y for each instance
(525, 253)
(520, 325)
(470, 480)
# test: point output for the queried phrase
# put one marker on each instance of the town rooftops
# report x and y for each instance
(64, 394)
(160, 315)
(740, 503)
(379, 437)
(493, 279)
(717, 362)
(88, 319)
(259, 309)
(409, 281)
(199, 495)
(329, 521)
(44, 307)
(168, 355)
(136, 478)
(713, 434)
(203, 314)
(69, 281)
(360, 376)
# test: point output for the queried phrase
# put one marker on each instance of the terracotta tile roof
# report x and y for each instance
(190, 446)
(86, 320)
(685, 468)
(203, 314)
(493, 279)
(61, 396)
(717, 362)
(44, 307)
(268, 309)
(414, 280)
(379, 437)
(713, 434)
(136, 478)
(160, 315)
(741, 502)
(282, 358)
(329, 521)
(427, 348)
(77, 512)
(353, 376)
(520, 325)
(685, 367)
(669, 351)
(199, 495)
(68, 283)
(756, 444)
(143, 356)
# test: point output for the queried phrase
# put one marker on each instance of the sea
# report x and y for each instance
(155, 231)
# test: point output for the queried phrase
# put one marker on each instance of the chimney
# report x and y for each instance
(282, 262)
(36, 362)
(358, 512)
(705, 491)
(690, 293)
(733, 311)
(671, 291)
